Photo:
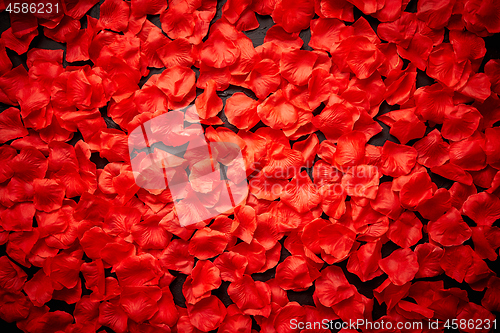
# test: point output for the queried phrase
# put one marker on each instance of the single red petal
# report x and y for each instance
(456, 261)
(293, 16)
(398, 159)
(453, 172)
(18, 44)
(406, 231)
(361, 181)
(399, 31)
(471, 312)
(150, 234)
(18, 217)
(219, 51)
(264, 78)
(207, 243)
(432, 150)
(433, 208)
(300, 193)
(401, 266)
(491, 299)
(296, 66)
(167, 311)
(429, 258)
(254, 252)
(114, 15)
(93, 274)
(294, 273)
(208, 104)
(363, 56)
(332, 287)
(308, 148)
(433, 102)
(63, 269)
(469, 153)
(482, 246)
(339, 9)
(241, 111)
(178, 83)
(248, 21)
(477, 87)
(277, 112)
(204, 278)
(112, 315)
(288, 318)
(267, 233)
(492, 70)
(443, 65)
(139, 270)
(335, 120)
(29, 164)
(49, 195)
(436, 15)
(460, 123)
(483, 208)
(387, 201)
(69, 295)
(418, 50)
(350, 149)
(177, 257)
(459, 193)
(364, 261)
(277, 35)
(7, 154)
(235, 321)
(336, 240)
(87, 311)
(491, 149)
(140, 303)
(207, 314)
(415, 190)
(12, 278)
(325, 32)
(251, 297)
(21, 245)
(176, 52)
(232, 266)
(450, 229)
(246, 217)
(11, 126)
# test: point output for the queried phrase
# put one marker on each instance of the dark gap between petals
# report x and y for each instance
(176, 290)
(302, 297)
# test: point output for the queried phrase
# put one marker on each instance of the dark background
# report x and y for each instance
(257, 37)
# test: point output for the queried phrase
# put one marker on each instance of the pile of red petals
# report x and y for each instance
(325, 200)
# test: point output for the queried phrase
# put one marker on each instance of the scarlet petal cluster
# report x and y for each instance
(371, 152)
